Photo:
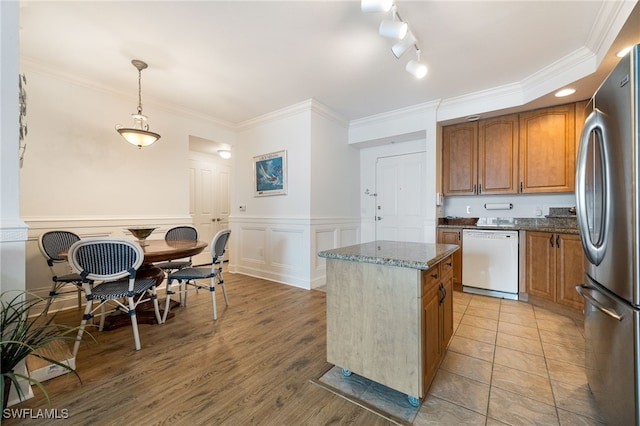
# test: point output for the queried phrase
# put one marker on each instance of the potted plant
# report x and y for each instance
(25, 328)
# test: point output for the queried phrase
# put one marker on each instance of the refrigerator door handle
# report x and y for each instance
(582, 289)
(593, 250)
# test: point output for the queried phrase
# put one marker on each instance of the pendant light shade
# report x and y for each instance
(138, 135)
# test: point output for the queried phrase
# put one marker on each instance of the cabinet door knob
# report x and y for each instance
(558, 240)
(434, 276)
(551, 240)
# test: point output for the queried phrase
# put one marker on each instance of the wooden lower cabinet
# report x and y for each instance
(554, 266)
(453, 236)
(437, 316)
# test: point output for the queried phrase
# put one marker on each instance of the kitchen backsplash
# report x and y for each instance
(537, 206)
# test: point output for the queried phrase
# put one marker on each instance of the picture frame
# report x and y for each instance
(270, 174)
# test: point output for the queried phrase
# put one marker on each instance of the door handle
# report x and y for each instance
(558, 240)
(378, 218)
(551, 240)
(607, 311)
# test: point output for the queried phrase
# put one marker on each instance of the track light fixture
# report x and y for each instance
(393, 28)
(369, 6)
(415, 67)
(400, 47)
(397, 28)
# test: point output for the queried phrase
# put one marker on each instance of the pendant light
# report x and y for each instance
(139, 134)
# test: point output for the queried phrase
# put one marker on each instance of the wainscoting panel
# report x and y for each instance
(286, 249)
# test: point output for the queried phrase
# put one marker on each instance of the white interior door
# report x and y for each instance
(209, 201)
(401, 202)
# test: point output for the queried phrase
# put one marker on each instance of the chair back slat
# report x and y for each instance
(219, 243)
(54, 242)
(182, 233)
(105, 258)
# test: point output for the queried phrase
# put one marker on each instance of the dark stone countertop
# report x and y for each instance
(393, 253)
(559, 224)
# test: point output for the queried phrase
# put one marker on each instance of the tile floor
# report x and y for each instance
(510, 363)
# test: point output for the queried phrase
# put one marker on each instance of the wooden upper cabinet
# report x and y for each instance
(481, 157)
(498, 155)
(548, 149)
(459, 159)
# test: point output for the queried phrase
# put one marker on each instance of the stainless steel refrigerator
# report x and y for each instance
(608, 212)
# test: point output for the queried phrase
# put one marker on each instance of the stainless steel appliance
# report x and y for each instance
(608, 212)
(490, 263)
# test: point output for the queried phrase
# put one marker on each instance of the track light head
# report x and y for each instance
(400, 47)
(416, 68)
(393, 29)
(371, 6)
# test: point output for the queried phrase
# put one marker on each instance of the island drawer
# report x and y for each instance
(446, 266)
(430, 278)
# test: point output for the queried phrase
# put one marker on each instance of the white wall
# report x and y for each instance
(80, 175)
(404, 131)
(13, 231)
(524, 205)
(277, 237)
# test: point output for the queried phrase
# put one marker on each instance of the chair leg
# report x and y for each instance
(102, 315)
(134, 322)
(167, 303)
(221, 283)
(83, 323)
(154, 297)
(184, 291)
(212, 289)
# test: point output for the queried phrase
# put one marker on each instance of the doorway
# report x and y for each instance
(209, 206)
(401, 201)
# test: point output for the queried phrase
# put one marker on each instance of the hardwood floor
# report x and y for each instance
(251, 366)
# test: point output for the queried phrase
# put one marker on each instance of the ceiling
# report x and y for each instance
(237, 60)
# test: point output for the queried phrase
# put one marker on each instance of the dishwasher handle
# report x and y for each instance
(583, 290)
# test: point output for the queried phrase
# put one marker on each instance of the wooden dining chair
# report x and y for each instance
(51, 244)
(174, 234)
(188, 277)
(113, 263)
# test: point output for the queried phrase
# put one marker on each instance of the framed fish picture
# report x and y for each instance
(270, 174)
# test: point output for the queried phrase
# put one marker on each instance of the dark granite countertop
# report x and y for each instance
(393, 253)
(565, 224)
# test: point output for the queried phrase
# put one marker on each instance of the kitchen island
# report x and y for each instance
(390, 311)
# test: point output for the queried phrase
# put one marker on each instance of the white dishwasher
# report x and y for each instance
(490, 263)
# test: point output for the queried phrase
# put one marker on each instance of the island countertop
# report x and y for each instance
(393, 253)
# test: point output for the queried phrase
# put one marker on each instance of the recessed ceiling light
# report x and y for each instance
(624, 51)
(565, 92)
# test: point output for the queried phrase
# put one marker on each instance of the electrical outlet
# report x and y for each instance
(538, 211)
(242, 208)
(468, 209)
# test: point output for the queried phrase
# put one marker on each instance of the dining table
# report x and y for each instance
(154, 251)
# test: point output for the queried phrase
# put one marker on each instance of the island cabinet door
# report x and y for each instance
(431, 330)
